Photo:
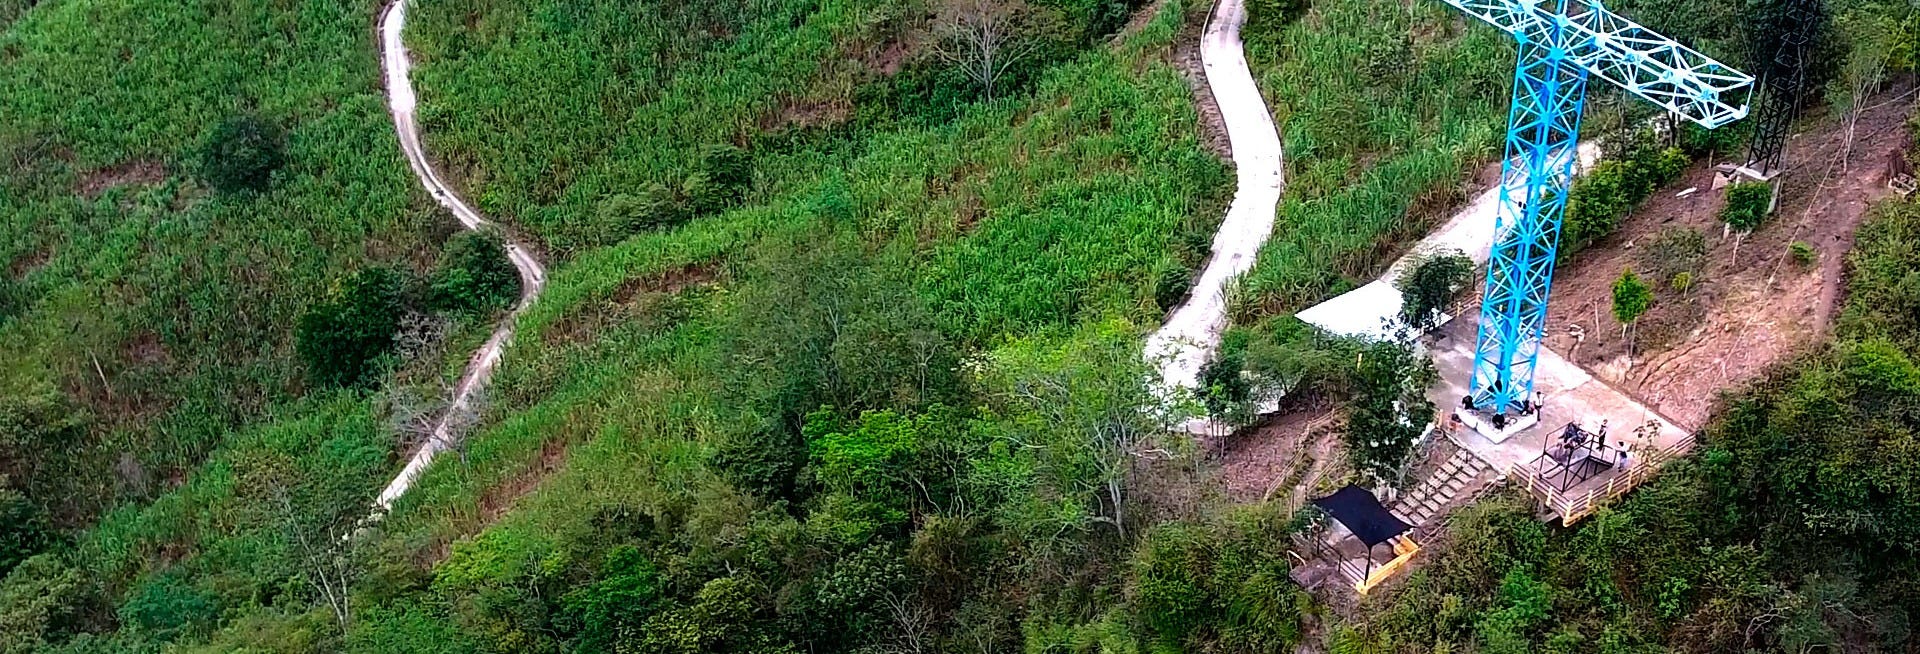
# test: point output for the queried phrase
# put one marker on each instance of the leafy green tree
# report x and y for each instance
(474, 274)
(1631, 298)
(1747, 205)
(344, 337)
(166, 607)
(1224, 386)
(1431, 285)
(242, 154)
(629, 589)
(653, 207)
(1389, 409)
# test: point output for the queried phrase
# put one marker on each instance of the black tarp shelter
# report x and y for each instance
(1362, 513)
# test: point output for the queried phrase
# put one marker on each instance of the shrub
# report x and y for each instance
(1672, 252)
(1431, 285)
(654, 207)
(242, 154)
(1802, 252)
(474, 274)
(1747, 205)
(1272, 15)
(1171, 286)
(23, 529)
(1681, 281)
(41, 602)
(1600, 200)
(167, 606)
(343, 337)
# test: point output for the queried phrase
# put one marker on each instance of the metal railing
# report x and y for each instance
(1580, 505)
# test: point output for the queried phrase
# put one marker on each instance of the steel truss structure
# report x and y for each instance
(1562, 43)
(1782, 85)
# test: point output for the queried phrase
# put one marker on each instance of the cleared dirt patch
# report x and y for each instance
(1280, 457)
(1749, 303)
(137, 172)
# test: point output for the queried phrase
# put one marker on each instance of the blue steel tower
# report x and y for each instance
(1562, 43)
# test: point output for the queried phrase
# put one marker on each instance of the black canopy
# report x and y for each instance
(1361, 512)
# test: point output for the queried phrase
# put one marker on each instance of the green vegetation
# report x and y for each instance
(474, 274)
(1786, 532)
(1747, 205)
(1389, 411)
(1802, 253)
(242, 155)
(1604, 196)
(1631, 298)
(344, 337)
(1431, 284)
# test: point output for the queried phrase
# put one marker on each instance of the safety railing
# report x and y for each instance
(1572, 508)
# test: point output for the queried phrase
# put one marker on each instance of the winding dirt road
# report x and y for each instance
(1193, 332)
(401, 100)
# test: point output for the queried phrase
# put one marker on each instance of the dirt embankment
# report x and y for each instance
(1749, 301)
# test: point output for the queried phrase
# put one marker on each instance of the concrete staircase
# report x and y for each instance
(1463, 473)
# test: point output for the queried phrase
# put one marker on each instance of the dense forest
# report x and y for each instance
(841, 346)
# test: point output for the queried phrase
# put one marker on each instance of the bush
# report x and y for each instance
(242, 154)
(1673, 252)
(167, 606)
(1273, 15)
(23, 529)
(1389, 409)
(42, 601)
(343, 337)
(1747, 205)
(1600, 200)
(1802, 252)
(474, 274)
(1171, 286)
(1223, 384)
(1431, 285)
(654, 207)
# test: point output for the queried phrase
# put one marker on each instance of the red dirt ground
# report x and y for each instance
(1750, 304)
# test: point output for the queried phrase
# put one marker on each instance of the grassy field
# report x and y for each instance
(158, 308)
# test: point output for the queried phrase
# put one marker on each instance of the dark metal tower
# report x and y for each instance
(1789, 33)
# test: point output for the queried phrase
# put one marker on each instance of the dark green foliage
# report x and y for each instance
(764, 463)
(12, 298)
(1427, 289)
(1224, 385)
(1273, 15)
(344, 337)
(167, 607)
(1389, 409)
(242, 154)
(1228, 584)
(43, 601)
(652, 207)
(1604, 196)
(1171, 286)
(1631, 297)
(474, 274)
(1747, 205)
(617, 605)
(23, 529)
(41, 456)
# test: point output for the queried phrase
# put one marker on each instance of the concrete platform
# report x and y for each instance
(1570, 395)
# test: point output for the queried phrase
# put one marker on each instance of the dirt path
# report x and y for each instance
(401, 100)
(1188, 338)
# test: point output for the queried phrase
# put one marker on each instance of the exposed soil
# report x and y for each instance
(1288, 452)
(500, 498)
(1750, 304)
(128, 173)
(145, 349)
(29, 262)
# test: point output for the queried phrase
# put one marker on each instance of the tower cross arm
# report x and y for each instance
(1656, 68)
(1641, 61)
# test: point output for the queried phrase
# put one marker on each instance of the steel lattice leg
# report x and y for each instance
(1543, 129)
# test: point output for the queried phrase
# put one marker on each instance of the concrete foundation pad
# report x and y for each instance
(1496, 434)
(1569, 395)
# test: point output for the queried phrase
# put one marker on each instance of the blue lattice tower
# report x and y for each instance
(1562, 43)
